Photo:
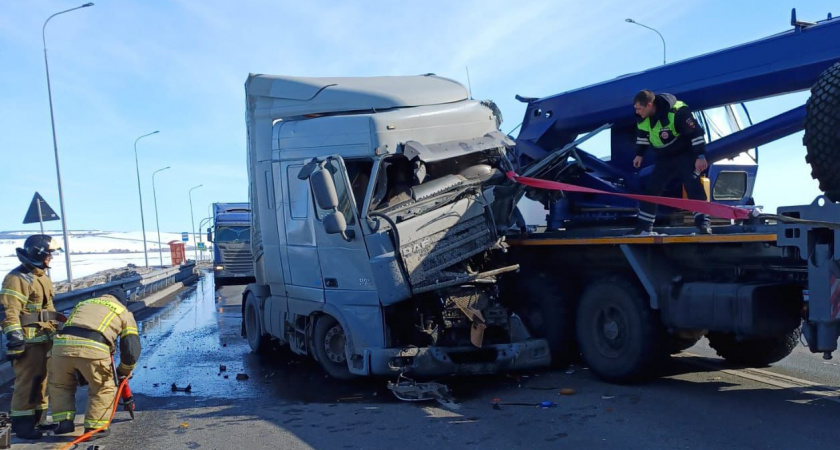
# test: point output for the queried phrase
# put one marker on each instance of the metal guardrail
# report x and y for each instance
(137, 288)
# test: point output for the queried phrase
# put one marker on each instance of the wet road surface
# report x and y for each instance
(287, 402)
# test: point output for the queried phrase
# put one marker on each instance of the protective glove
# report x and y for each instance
(122, 374)
(15, 345)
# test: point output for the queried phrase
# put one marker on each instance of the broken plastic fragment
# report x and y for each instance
(567, 391)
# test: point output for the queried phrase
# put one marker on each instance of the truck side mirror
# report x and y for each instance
(326, 196)
(209, 235)
(307, 169)
(335, 223)
(323, 187)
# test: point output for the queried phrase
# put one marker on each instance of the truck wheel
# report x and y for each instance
(754, 352)
(328, 345)
(252, 323)
(549, 314)
(822, 139)
(620, 336)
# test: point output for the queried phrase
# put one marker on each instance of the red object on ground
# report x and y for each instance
(712, 209)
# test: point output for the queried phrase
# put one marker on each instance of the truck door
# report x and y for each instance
(345, 264)
(305, 270)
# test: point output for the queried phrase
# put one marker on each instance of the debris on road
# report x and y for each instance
(187, 389)
(607, 397)
(409, 390)
(222, 368)
(242, 377)
(567, 391)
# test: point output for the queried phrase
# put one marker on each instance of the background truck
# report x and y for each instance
(383, 219)
(231, 236)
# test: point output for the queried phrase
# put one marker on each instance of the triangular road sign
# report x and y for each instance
(47, 213)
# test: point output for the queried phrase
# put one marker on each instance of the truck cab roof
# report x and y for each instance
(290, 97)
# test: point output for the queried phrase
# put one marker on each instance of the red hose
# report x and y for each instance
(87, 435)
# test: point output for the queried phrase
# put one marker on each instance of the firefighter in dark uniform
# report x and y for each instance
(667, 125)
(85, 347)
(29, 325)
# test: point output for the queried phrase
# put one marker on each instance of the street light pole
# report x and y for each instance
(55, 145)
(201, 227)
(157, 222)
(192, 222)
(664, 59)
(140, 193)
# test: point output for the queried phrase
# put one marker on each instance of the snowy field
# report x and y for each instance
(93, 251)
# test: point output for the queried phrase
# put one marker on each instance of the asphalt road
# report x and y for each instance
(287, 402)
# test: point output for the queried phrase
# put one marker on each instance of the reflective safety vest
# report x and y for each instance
(662, 137)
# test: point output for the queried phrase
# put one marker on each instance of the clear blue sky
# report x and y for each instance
(125, 68)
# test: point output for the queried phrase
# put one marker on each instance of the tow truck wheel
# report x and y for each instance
(754, 352)
(548, 314)
(620, 336)
(822, 120)
(328, 344)
(253, 325)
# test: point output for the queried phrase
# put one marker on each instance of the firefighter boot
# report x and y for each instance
(24, 428)
(65, 426)
(41, 426)
(102, 434)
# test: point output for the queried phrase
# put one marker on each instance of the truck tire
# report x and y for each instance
(753, 352)
(548, 313)
(254, 332)
(822, 132)
(620, 336)
(328, 342)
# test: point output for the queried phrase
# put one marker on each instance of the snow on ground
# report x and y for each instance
(93, 251)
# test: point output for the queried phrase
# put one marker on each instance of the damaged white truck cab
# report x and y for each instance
(374, 227)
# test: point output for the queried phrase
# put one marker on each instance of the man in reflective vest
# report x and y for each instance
(30, 321)
(667, 125)
(83, 349)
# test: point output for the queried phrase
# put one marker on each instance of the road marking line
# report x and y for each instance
(771, 378)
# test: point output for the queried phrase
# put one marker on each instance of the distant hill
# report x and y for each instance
(93, 241)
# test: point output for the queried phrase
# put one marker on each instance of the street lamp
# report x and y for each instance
(192, 222)
(201, 224)
(664, 61)
(157, 223)
(140, 193)
(55, 145)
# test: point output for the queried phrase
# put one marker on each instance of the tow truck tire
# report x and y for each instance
(328, 342)
(822, 132)
(549, 314)
(620, 336)
(754, 352)
(257, 340)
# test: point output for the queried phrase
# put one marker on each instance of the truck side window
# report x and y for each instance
(358, 171)
(298, 193)
(343, 194)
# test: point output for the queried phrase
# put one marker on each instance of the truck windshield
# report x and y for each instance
(231, 234)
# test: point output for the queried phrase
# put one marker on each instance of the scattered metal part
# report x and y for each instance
(409, 390)
(222, 368)
(187, 389)
(242, 376)
(567, 391)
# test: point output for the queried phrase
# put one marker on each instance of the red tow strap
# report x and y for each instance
(712, 209)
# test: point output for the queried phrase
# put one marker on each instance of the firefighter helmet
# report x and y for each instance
(36, 249)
